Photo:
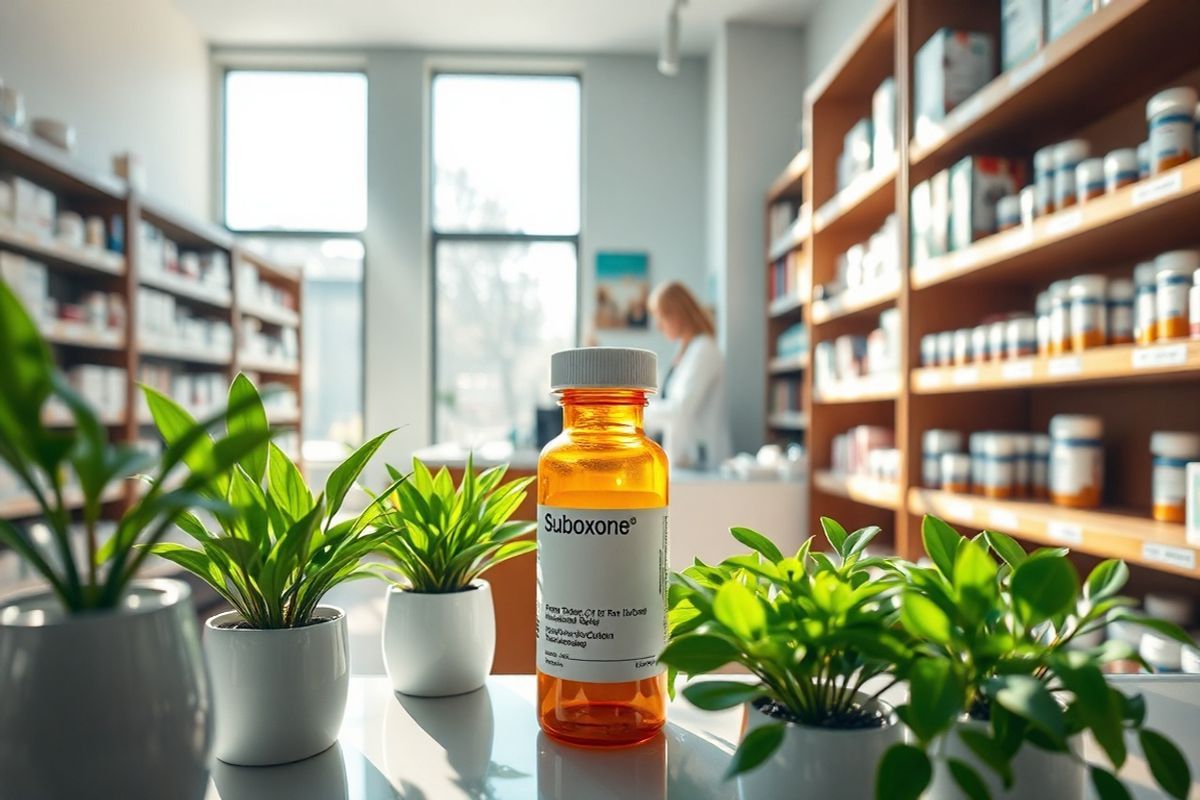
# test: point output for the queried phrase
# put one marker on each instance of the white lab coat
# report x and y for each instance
(693, 418)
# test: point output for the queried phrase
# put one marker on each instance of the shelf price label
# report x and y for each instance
(1062, 223)
(965, 376)
(961, 510)
(1168, 355)
(1067, 365)
(1171, 555)
(1151, 190)
(1017, 370)
(1065, 532)
(1003, 519)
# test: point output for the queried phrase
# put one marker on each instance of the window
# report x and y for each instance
(295, 184)
(506, 210)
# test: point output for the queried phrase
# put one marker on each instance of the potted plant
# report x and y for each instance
(280, 660)
(819, 633)
(999, 695)
(439, 627)
(103, 691)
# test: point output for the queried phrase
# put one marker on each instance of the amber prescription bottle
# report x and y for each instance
(602, 554)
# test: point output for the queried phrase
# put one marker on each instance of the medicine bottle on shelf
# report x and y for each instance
(1173, 279)
(1171, 452)
(1076, 460)
(1145, 312)
(1170, 115)
(999, 466)
(956, 472)
(1067, 156)
(1194, 305)
(1120, 169)
(1089, 179)
(1120, 311)
(602, 554)
(1089, 312)
(1060, 323)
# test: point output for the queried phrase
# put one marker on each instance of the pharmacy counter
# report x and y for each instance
(487, 745)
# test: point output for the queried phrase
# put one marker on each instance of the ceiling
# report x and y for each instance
(559, 26)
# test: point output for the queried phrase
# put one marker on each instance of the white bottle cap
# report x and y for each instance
(604, 368)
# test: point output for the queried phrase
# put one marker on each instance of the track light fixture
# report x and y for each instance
(668, 52)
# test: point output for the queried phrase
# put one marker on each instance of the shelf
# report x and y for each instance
(47, 165)
(790, 182)
(77, 334)
(1053, 93)
(179, 286)
(855, 70)
(1108, 534)
(865, 202)
(24, 506)
(289, 417)
(272, 316)
(785, 306)
(793, 238)
(1119, 363)
(788, 421)
(63, 419)
(269, 366)
(183, 228)
(859, 488)
(75, 258)
(876, 388)
(857, 301)
(269, 268)
(1153, 213)
(181, 352)
(788, 364)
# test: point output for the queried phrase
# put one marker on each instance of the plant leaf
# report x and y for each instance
(834, 532)
(1006, 547)
(1167, 765)
(1028, 698)
(936, 698)
(1105, 580)
(1108, 787)
(346, 473)
(923, 618)
(941, 544)
(904, 773)
(989, 752)
(1044, 587)
(698, 653)
(756, 541)
(968, 780)
(738, 609)
(718, 695)
(757, 746)
(247, 414)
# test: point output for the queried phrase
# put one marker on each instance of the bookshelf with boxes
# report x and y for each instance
(1051, 251)
(127, 291)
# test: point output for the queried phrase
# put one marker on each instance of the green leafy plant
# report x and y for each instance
(813, 628)
(278, 549)
(438, 539)
(994, 641)
(42, 459)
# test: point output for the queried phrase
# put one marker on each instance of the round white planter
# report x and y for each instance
(436, 645)
(827, 763)
(279, 695)
(1036, 772)
(104, 704)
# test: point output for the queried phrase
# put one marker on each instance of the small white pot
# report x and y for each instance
(279, 695)
(1036, 772)
(828, 763)
(436, 645)
(106, 703)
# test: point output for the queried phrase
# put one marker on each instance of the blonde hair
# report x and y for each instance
(673, 299)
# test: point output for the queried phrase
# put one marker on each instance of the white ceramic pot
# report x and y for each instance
(104, 704)
(279, 695)
(827, 763)
(436, 645)
(1036, 772)
(322, 777)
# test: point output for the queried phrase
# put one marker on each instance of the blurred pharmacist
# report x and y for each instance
(690, 413)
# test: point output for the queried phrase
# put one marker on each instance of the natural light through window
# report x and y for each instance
(295, 150)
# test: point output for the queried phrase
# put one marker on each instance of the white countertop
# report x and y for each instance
(487, 745)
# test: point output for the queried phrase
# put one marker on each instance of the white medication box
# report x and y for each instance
(948, 69)
(1063, 15)
(883, 124)
(1193, 503)
(976, 185)
(1022, 31)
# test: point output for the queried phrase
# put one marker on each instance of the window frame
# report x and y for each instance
(491, 237)
(224, 66)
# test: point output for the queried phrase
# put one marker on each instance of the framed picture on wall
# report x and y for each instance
(622, 290)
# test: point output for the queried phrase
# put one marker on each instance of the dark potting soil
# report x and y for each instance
(856, 718)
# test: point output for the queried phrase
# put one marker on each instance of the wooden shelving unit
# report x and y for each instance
(1135, 389)
(90, 193)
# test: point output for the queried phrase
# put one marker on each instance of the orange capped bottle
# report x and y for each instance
(602, 554)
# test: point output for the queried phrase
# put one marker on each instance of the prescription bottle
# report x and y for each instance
(928, 350)
(956, 473)
(945, 349)
(1089, 179)
(1174, 270)
(1089, 312)
(1171, 452)
(979, 343)
(1060, 324)
(1039, 466)
(1120, 311)
(1076, 460)
(962, 347)
(1043, 180)
(975, 448)
(997, 340)
(1145, 302)
(999, 466)
(1170, 115)
(1143, 156)
(602, 554)
(1008, 212)
(1021, 336)
(1194, 305)
(935, 443)
(1042, 308)
(1067, 156)
(1120, 169)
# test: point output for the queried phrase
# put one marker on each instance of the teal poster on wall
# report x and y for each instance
(622, 290)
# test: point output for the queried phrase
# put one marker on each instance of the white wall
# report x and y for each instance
(830, 25)
(129, 74)
(756, 82)
(644, 187)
